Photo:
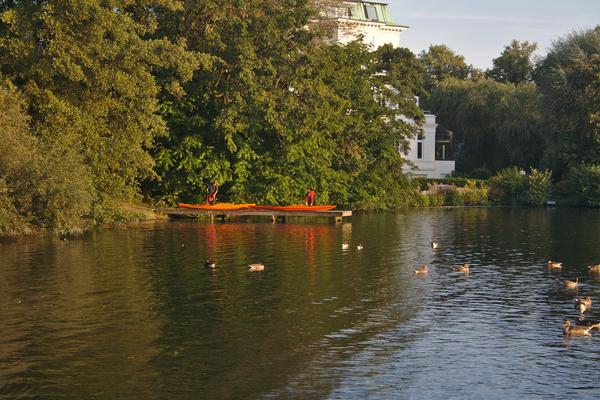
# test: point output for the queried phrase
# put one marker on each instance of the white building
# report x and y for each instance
(429, 153)
(368, 19)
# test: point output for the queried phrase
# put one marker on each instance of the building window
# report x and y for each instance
(419, 150)
(349, 14)
(371, 13)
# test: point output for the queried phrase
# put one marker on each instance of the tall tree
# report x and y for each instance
(277, 110)
(89, 71)
(41, 184)
(498, 124)
(439, 63)
(515, 64)
(569, 80)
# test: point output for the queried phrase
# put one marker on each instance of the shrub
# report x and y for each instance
(41, 185)
(582, 185)
(480, 173)
(539, 186)
(508, 186)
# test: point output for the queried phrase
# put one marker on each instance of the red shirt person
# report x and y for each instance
(211, 193)
(310, 197)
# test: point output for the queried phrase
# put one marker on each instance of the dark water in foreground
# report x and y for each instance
(131, 312)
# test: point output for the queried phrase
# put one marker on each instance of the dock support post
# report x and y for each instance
(337, 220)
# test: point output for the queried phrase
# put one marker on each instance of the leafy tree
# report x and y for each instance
(498, 124)
(539, 186)
(581, 185)
(569, 81)
(515, 64)
(278, 110)
(91, 74)
(440, 63)
(41, 184)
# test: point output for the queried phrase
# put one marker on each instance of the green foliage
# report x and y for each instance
(452, 191)
(440, 63)
(91, 75)
(499, 124)
(581, 185)
(569, 81)
(425, 183)
(40, 184)
(515, 64)
(508, 186)
(279, 111)
(539, 185)
(513, 186)
(476, 196)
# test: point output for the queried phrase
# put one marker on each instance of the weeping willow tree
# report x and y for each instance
(498, 124)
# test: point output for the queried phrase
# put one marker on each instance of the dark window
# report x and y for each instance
(350, 12)
(419, 150)
(371, 13)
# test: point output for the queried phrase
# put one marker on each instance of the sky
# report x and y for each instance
(479, 30)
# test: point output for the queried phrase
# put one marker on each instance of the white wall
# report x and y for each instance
(427, 165)
(374, 34)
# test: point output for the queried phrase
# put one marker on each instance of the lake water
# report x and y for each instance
(132, 313)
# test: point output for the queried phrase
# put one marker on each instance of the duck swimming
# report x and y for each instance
(594, 268)
(256, 267)
(578, 330)
(422, 270)
(345, 246)
(584, 304)
(571, 284)
(359, 247)
(210, 264)
(463, 268)
(434, 245)
(553, 265)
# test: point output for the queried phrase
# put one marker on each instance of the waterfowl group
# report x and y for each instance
(583, 305)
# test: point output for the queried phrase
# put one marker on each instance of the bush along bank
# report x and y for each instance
(579, 186)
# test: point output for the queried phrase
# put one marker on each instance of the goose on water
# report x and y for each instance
(575, 330)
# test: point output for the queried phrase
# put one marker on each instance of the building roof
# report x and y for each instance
(367, 11)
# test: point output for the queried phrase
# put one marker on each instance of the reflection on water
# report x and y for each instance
(132, 312)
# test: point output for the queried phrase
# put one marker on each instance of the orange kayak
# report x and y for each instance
(216, 207)
(293, 208)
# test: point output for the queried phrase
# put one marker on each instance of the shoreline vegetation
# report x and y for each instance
(145, 102)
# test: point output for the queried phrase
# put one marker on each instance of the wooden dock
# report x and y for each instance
(333, 215)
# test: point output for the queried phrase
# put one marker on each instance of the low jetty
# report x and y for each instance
(334, 216)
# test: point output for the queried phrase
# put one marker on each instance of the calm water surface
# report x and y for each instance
(131, 312)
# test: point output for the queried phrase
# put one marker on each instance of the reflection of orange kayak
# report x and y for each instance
(293, 208)
(216, 207)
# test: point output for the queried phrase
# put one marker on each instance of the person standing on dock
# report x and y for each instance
(211, 193)
(311, 195)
